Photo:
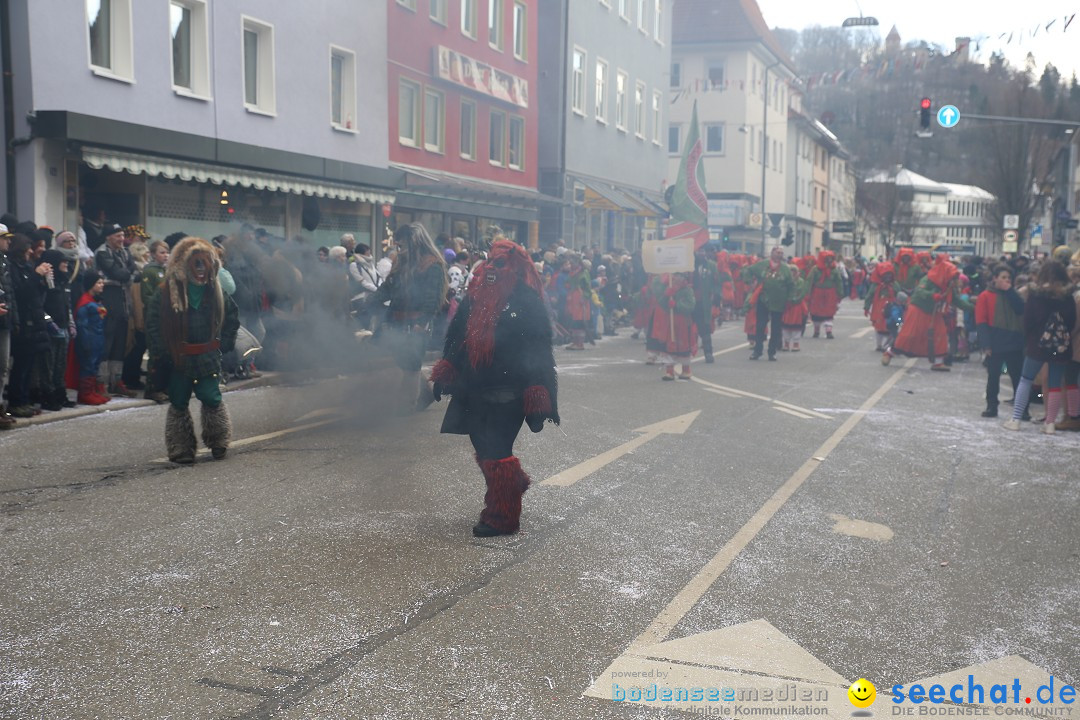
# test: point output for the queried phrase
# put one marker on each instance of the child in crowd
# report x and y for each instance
(89, 341)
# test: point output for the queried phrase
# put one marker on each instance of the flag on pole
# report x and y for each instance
(689, 203)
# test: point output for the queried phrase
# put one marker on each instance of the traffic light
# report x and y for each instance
(789, 237)
(924, 113)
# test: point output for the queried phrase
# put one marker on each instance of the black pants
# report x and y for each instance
(133, 360)
(703, 320)
(116, 321)
(494, 426)
(1013, 361)
(764, 318)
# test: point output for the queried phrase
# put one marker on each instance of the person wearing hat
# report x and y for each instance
(116, 265)
(9, 318)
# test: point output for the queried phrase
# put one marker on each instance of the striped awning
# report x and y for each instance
(136, 164)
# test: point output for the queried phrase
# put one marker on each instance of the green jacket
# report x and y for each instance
(923, 297)
(152, 276)
(777, 288)
(835, 280)
(684, 296)
(802, 289)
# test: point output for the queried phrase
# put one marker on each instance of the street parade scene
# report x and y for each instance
(762, 322)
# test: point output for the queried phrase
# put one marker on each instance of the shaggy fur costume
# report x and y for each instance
(180, 436)
(216, 429)
(506, 483)
(175, 292)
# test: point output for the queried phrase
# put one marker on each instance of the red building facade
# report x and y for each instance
(463, 115)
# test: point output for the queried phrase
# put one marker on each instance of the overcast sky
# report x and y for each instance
(942, 21)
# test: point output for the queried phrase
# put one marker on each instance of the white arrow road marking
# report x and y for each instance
(674, 426)
(862, 333)
(723, 393)
(259, 438)
(843, 525)
(798, 411)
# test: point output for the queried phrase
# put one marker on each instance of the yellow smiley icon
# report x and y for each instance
(862, 693)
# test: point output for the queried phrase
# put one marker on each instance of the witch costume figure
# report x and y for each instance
(499, 367)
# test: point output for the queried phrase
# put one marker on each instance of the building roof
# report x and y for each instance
(906, 178)
(971, 192)
(724, 21)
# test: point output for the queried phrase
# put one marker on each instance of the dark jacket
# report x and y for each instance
(58, 298)
(1040, 305)
(30, 297)
(1000, 331)
(199, 328)
(7, 295)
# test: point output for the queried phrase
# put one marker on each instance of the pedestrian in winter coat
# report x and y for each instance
(9, 320)
(776, 286)
(999, 320)
(116, 265)
(30, 339)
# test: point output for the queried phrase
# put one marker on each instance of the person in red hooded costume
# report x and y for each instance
(498, 366)
(924, 333)
(826, 284)
(884, 293)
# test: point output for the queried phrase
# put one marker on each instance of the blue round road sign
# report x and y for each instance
(948, 116)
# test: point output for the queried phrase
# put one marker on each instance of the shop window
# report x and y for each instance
(111, 38)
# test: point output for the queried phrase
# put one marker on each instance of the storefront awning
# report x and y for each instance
(600, 196)
(136, 164)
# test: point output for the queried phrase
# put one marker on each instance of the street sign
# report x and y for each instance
(1036, 238)
(1011, 237)
(776, 218)
(1012, 222)
(755, 220)
(1072, 224)
(948, 116)
(843, 226)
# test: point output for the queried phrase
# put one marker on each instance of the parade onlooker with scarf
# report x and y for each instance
(826, 288)
(498, 365)
(775, 287)
(416, 291)
(881, 301)
(116, 265)
(86, 352)
(1049, 317)
(924, 332)
(999, 318)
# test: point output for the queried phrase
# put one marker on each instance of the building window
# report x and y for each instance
(643, 15)
(578, 98)
(521, 31)
(190, 47)
(434, 120)
(468, 130)
(752, 143)
(601, 90)
(497, 139)
(437, 11)
(714, 138)
(410, 4)
(342, 88)
(624, 10)
(621, 81)
(468, 18)
(716, 74)
(110, 33)
(408, 113)
(657, 9)
(657, 119)
(639, 110)
(258, 66)
(517, 143)
(753, 78)
(495, 24)
(674, 139)
(676, 74)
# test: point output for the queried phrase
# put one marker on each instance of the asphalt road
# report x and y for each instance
(798, 524)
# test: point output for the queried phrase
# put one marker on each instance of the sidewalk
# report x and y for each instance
(122, 403)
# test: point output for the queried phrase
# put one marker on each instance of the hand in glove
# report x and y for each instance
(537, 406)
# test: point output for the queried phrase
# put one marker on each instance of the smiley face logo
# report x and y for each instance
(862, 693)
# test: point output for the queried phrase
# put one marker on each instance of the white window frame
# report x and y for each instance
(496, 25)
(578, 81)
(519, 121)
(407, 4)
(677, 127)
(438, 11)
(658, 115)
(417, 94)
(348, 89)
(461, 131)
(200, 51)
(121, 43)
(521, 31)
(640, 91)
(658, 18)
(643, 16)
(723, 138)
(716, 63)
(622, 110)
(600, 100)
(624, 10)
(265, 93)
(439, 146)
(468, 18)
(606, 3)
(501, 160)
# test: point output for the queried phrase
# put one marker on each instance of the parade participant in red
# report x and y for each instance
(498, 366)
(826, 284)
(673, 335)
(857, 278)
(884, 293)
(796, 311)
(924, 333)
(577, 313)
(908, 271)
(727, 286)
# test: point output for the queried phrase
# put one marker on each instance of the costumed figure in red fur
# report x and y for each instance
(924, 332)
(796, 311)
(499, 367)
(673, 334)
(883, 303)
(826, 284)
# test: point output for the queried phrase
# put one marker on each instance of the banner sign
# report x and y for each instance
(668, 256)
(464, 71)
